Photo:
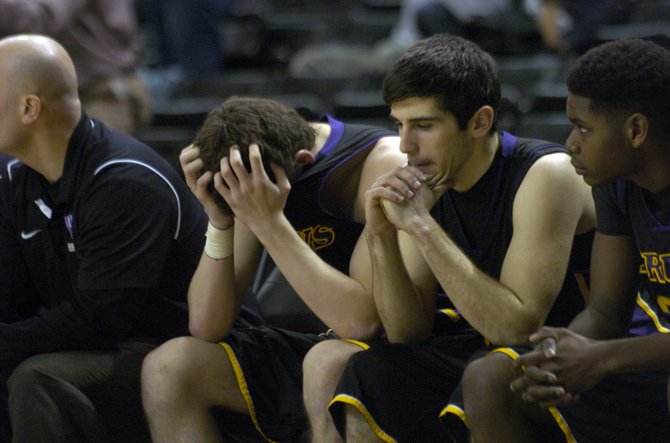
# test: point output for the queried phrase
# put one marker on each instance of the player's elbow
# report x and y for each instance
(360, 330)
(408, 333)
(515, 333)
(207, 331)
(509, 339)
(407, 336)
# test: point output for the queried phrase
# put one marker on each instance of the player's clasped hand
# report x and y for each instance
(396, 186)
(562, 365)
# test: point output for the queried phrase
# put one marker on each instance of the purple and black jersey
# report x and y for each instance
(624, 208)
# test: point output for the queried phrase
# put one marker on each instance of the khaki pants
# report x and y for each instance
(78, 396)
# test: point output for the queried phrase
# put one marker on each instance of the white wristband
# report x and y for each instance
(219, 243)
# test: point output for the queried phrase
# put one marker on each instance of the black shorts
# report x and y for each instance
(268, 366)
(452, 414)
(401, 388)
(622, 408)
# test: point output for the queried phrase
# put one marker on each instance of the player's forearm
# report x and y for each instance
(646, 353)
(404, 313)
(592, 324)
(213, 299)
(340, 301)
(490, 307)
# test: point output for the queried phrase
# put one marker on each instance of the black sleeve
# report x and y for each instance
(16, 291)
(610, 217)
(126, 227)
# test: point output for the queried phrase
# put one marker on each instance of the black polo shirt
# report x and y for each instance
(105, 253)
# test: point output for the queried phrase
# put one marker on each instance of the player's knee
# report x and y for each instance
(326, 360)
(314, 361)
(26, 377)
(169, 371)
(485, 377)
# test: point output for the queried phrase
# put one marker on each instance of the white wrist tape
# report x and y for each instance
(219, 243)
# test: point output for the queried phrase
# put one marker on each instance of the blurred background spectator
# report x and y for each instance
(186, 39)
(103, 39)
(187, 33)
(422, 18)
(416, 19)
(330, 56)
(571, 26)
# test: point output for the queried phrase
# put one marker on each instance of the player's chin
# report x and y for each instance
(440, 182)
(595, 180)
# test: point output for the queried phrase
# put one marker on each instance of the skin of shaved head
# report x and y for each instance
(39, 65)
(39, 102)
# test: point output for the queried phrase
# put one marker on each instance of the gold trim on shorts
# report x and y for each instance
(558, 418)
(347, 399)
(244, 389)
(358, 343)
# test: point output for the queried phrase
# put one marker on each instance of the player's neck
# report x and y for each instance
(651, 171)
(479, 162)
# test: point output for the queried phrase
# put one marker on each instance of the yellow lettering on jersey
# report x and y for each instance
(664, 303)
(318, 237)
(653, 266)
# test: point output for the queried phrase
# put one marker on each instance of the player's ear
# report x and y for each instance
(304, 157)
(481, 121)
(637, 127)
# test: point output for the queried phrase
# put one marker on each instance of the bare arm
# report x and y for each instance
(218, 286)
(404, 287)
(591, 350)
(613, 279)
(341, 301)
(548, 207)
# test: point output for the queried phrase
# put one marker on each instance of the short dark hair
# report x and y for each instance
(462, 76)
(278, 130)
(627, 75)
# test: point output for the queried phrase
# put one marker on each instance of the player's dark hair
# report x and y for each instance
(626, 76)
(461, 75)
(278, 130)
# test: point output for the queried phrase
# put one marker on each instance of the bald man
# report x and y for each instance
(105, 43)
(99, 238)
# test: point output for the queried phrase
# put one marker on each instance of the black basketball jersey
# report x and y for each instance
(479, 221)
(624, 208)
(331, 235)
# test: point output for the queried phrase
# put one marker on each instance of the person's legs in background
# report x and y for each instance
(79, 396)
(47, 399)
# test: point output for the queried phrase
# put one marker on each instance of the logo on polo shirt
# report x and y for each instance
(28, 235)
